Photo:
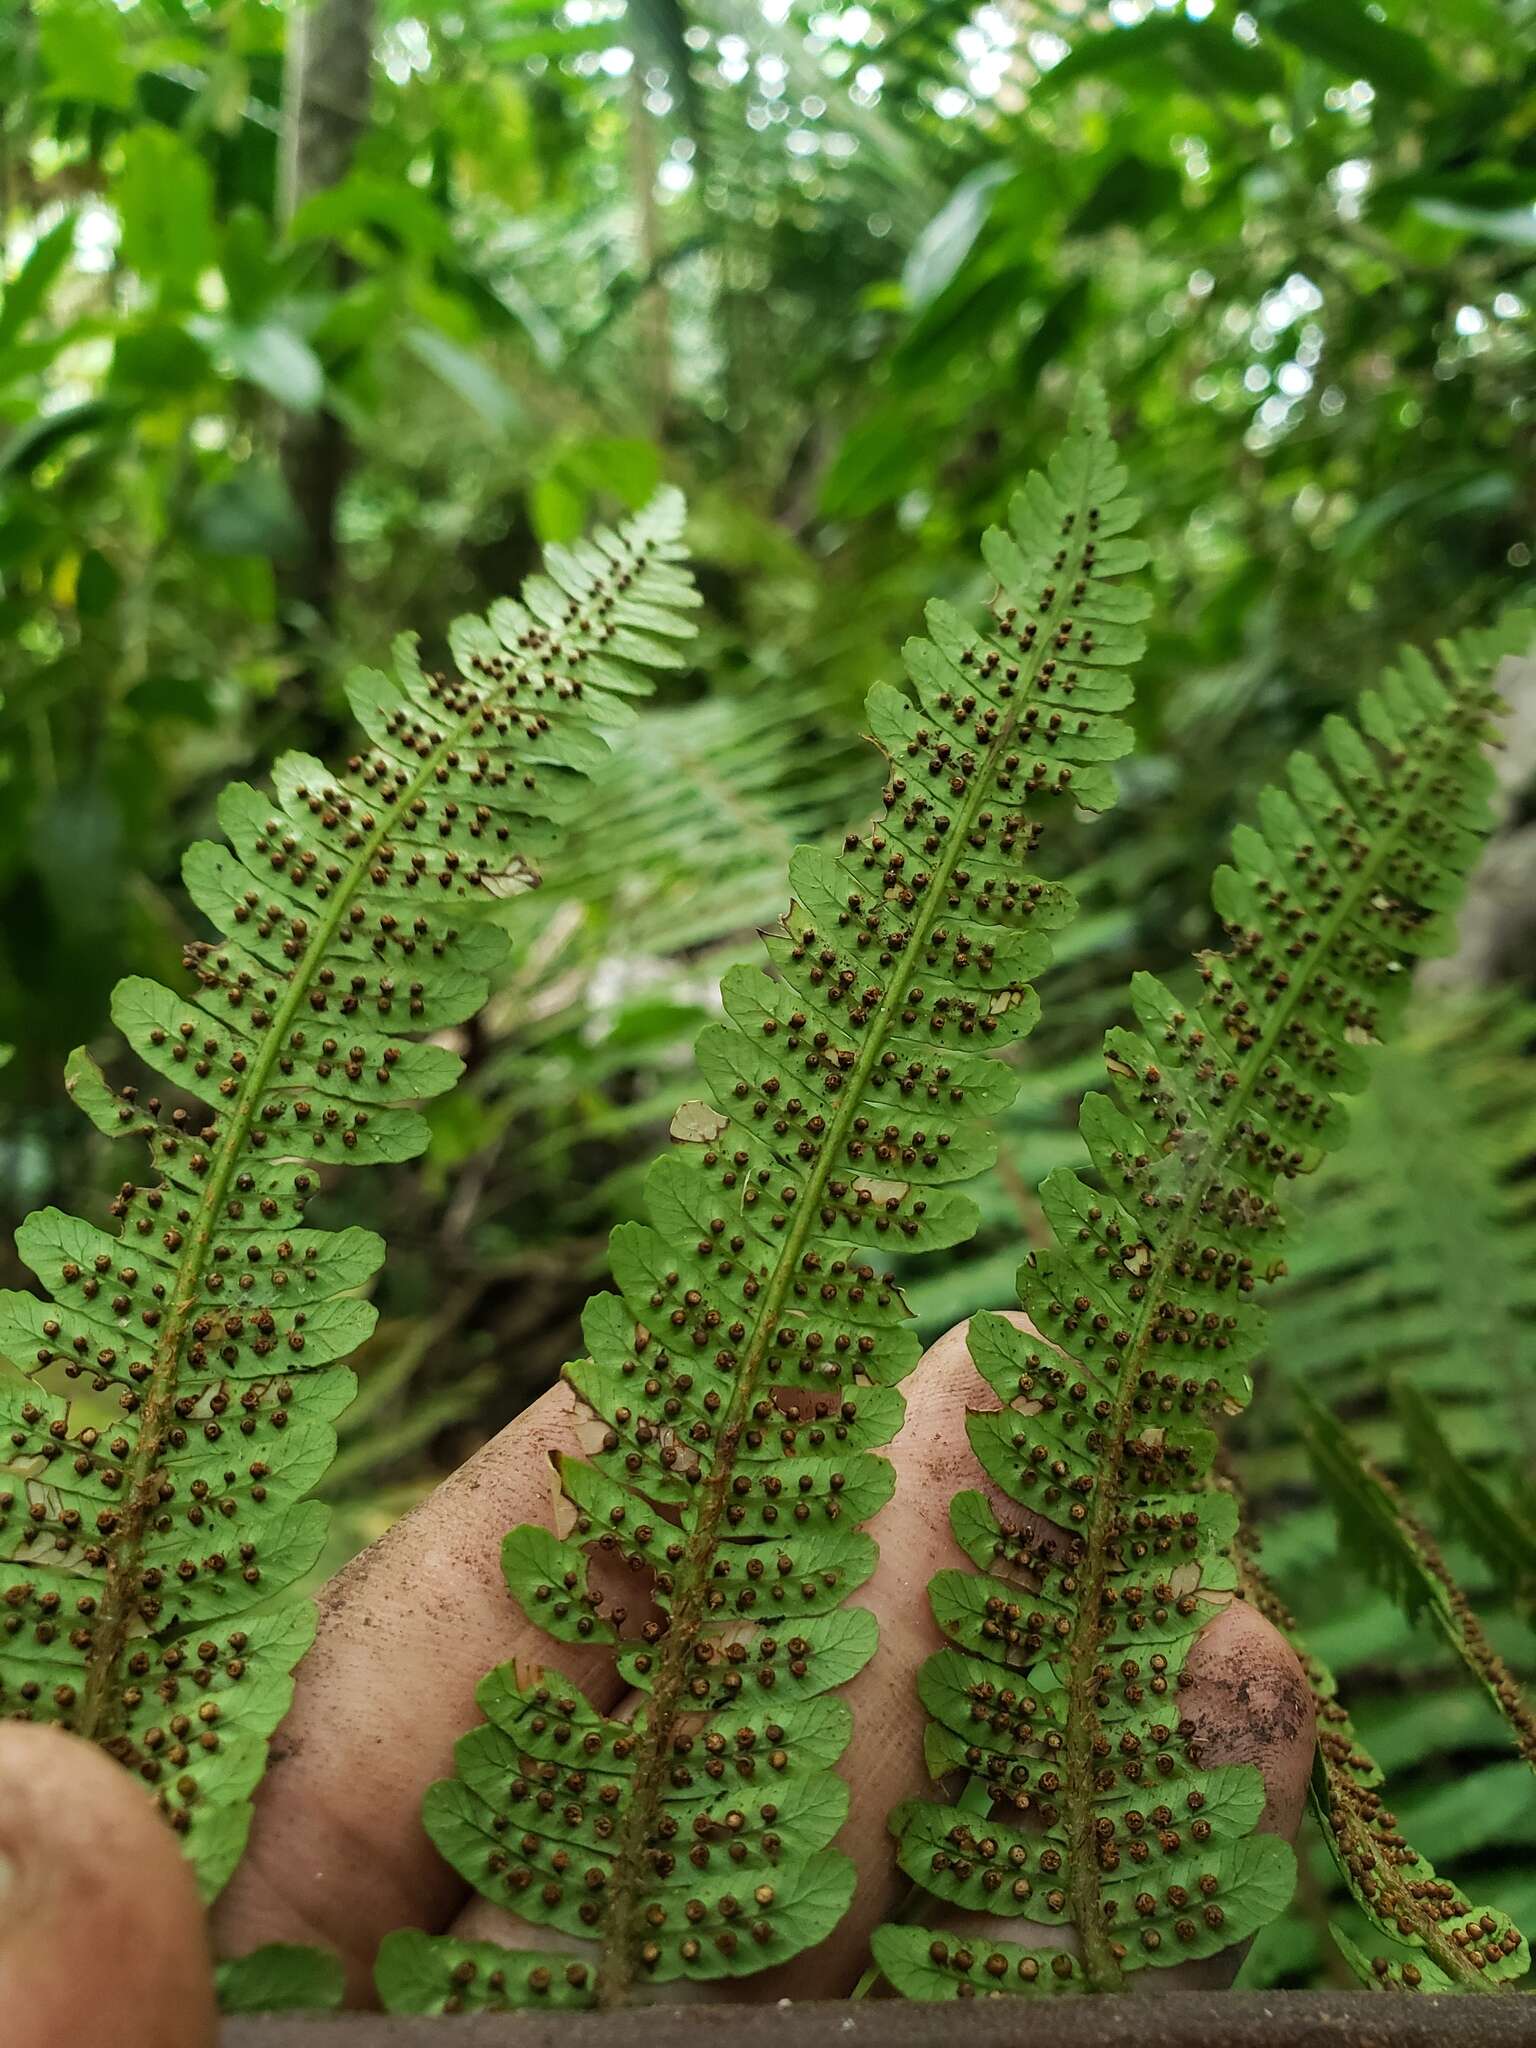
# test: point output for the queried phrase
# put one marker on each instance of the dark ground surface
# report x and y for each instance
(1287, 2019)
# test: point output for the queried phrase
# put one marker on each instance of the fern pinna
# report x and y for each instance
(745, 1373)
(1427, 1936)
(1085, 1801)
(142, 1520)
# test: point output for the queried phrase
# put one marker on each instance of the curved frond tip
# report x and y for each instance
(210, 1321)
(1087, 1802)
(745, 1373)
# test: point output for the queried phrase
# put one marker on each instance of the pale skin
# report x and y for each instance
(93, 1891)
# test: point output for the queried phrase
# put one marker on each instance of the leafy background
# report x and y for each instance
(315, 322)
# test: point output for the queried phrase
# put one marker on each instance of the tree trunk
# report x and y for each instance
(327, 76)
(655, 306)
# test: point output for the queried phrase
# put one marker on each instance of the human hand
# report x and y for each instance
(101, 1913)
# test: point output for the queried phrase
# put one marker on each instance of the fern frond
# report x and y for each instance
(1415, 1251)
(1086, 1802)
(746, 1372)
(1502, 1538)
(139, 1529)
(1405, 1559)
(1433, 1938)
(722, 789)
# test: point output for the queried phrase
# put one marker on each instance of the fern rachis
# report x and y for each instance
(1435, 1938)
(210, 1318)
(845, 1099)
(1405, 1558)
(1218, 1100)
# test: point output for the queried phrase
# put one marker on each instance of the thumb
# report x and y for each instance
(100, 1922)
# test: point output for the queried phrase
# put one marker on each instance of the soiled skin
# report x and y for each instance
(338, 1855)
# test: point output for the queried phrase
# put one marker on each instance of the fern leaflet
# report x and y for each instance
(1085, 1800)
(140, 1522)
(1435, 1939)
(746, 1371)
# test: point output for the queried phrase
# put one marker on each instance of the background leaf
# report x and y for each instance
(165, 198)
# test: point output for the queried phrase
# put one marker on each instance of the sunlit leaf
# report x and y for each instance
(947, 240)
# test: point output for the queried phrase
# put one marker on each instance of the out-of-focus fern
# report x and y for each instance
(1379, 1528)
(655, 891)
(1038, 1132)
(211, 1321)
(1415, 1255)
(1502, 1537)
(1085, 1801)
(1431, 1937)
(1371, 1307)
(745, 1374)
(697, 820)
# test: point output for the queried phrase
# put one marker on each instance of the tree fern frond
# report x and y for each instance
(1502, 1538)
(138, 1530)
(746, 1371)
(1402, 1555)
(1058, 1697)
(1433, 1938)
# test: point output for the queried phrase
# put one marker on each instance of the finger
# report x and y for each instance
(1248, 1700)
(884, 1761)
(98, 1907)
(1247, 1697)
(338, 1854)
(1245, 1694)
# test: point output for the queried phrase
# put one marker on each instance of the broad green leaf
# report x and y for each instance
(277, 358)
(282, 1977)
(392, 211)
(1351, 39)
(557, 507)
(247, 513)
(84, 53)
(1130, 191)
(24, 296)
(1515, 225)
(626, 469)
(165, 197)
(24, 451)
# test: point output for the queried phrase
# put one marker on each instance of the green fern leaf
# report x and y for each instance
(1059, 1695)
(1405, 1559)
(1429, 1936)
(746, 1371)
(144, 1535)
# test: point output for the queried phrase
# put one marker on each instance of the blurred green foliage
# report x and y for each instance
(285, 370)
